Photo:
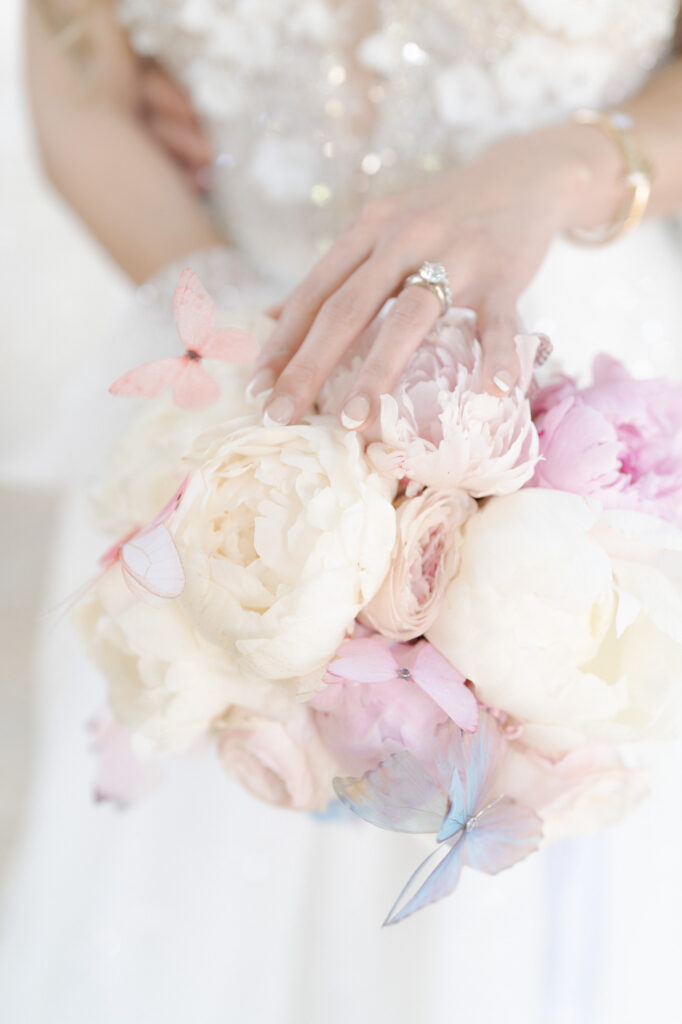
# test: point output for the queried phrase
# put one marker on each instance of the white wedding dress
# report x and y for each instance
(200, 904)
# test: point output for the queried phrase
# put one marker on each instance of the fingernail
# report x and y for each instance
(503, 381)
(261, 381)
(280, 412)
(355, 412)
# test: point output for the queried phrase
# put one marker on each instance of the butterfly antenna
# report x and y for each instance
(57, 613)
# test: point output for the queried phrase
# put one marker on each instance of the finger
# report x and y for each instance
(297, 315)
(498, 325)
(409, 320)
(161, 95)
(183, 141)
(340, 321)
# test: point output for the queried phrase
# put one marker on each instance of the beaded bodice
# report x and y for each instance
(314, 105)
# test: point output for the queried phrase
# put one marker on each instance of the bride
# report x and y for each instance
(331, 147)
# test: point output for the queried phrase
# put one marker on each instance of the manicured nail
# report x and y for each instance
(503, 382)
(280, 412)
(355, 412)
(261, 381)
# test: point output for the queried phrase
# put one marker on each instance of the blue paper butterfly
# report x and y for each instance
(458, 798)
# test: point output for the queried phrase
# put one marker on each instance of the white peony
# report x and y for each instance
(568, 618)
(165, 681)
(285, 534)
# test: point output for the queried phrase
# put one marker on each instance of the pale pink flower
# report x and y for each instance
(122, 777)
(279, 759)
(449, 344)
(425, 558)
(383, 698)
(441, 428)
(587, 788)
(619, 440)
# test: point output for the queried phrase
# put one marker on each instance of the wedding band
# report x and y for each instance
(433, 276)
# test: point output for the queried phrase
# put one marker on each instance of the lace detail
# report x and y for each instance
(314, 105)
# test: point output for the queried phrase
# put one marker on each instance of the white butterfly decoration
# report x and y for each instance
(149, 559)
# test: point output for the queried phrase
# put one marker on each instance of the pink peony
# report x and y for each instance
(425, 558)
(373, 705)
(440, 428)
(619, 440)
(281, 760)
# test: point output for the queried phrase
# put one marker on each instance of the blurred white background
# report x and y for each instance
(57, 287)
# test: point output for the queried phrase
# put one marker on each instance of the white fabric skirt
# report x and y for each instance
(200, 904)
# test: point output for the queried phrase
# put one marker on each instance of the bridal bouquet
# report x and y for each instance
(452, 623)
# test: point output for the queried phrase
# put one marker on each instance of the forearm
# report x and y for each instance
(99, 156)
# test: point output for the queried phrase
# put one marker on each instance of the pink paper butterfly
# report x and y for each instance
(370, 660)
(150, 561)
(193, 386)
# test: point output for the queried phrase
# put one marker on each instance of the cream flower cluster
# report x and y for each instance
(556, 613)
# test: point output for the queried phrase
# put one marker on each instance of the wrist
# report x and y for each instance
(583, 174)
(570, 174)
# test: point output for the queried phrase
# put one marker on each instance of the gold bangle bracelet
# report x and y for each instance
(637, 173)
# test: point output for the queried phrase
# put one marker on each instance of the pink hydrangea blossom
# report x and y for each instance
(618, 440)
(373, 706)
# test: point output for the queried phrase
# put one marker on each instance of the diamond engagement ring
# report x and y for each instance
(433, 276)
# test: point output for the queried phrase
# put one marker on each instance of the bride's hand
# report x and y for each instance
(489, 223)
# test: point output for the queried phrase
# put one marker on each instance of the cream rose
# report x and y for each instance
(285, 534)
(165, 681)
(425, 558)
(278, 758)
(568, 618)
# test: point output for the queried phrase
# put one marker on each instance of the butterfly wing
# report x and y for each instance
(481, 757)
(446, 686)
(473, 759)
(151, 563)
(195, 387)
(230, 344)
(364, 660)
(398, 795)
(149, 379)
(168, 509)
(504, 833)
(439, 883)
(194, 311)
